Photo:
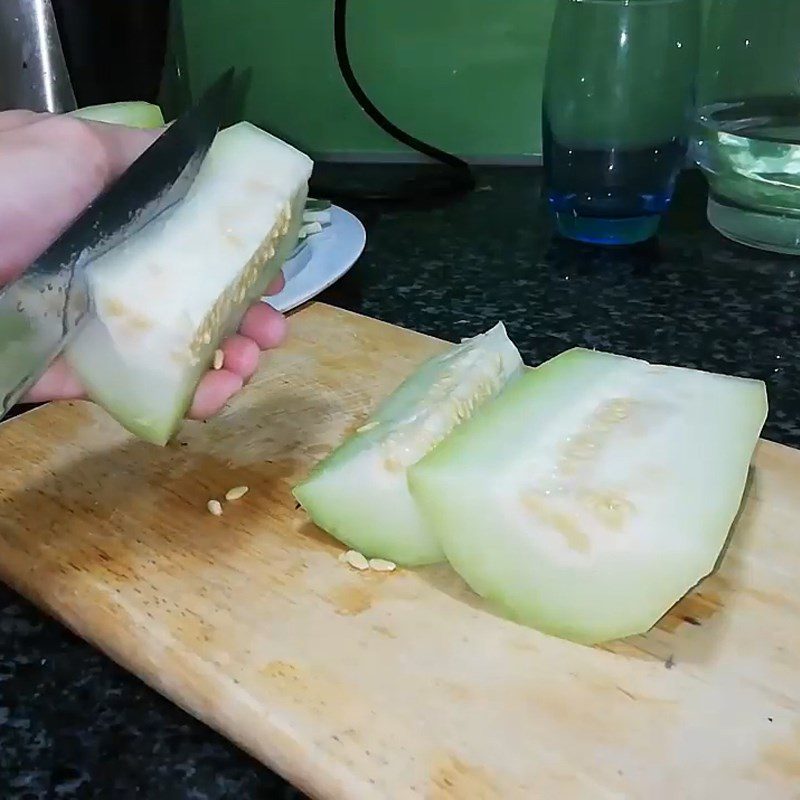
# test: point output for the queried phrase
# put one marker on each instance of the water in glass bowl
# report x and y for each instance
(750, 152)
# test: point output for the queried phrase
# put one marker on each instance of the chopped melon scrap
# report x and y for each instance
(359, 493)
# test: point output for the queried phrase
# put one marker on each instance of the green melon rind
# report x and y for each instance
(466, 489)
(134, 114)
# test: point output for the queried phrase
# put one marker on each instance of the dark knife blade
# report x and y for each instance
(43, 309)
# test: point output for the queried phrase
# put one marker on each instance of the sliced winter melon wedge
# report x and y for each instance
(164, 299)
(134, 114)
(594, 492)
(359, 492)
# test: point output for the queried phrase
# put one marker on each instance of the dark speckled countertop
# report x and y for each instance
(74, 725)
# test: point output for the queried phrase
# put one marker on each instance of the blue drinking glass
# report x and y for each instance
(617, 113)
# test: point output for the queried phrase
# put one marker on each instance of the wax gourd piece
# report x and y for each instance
(166, 298)
(359, 493)
(134, 114)
(594, 492)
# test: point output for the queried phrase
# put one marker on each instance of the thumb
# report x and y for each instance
(122, 145)
(51, 168)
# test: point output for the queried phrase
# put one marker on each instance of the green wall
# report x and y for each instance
(465, 75)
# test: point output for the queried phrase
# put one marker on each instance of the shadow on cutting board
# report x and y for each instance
(133, 504)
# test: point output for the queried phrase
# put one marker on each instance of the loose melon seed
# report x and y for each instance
(356, 560)
(219, 359)
(236, 493)
(382, 565)
(215, 507)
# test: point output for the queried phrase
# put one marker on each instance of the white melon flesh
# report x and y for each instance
(594, 492)
(166, 297)
(134, 114)
(359, 493)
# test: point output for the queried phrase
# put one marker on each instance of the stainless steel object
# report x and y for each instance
(33, 71)
(41, 311)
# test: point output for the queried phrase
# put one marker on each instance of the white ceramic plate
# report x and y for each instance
(327, 256)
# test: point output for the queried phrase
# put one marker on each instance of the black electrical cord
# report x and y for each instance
(456, 180)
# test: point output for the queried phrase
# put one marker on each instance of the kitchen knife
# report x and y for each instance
(44, 308)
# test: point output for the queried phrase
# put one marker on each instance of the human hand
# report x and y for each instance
(51, 168)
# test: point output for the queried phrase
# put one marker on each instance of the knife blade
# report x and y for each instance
(44, 308)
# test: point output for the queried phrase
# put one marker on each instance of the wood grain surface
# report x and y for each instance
(400, 685)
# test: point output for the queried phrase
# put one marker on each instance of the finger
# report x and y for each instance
(214, 390)
(277, 284)
(17, 118)
(241, 356)
(58, 383)
(264, 325)
(123, 145)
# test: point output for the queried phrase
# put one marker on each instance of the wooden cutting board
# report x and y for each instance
(401, 685)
